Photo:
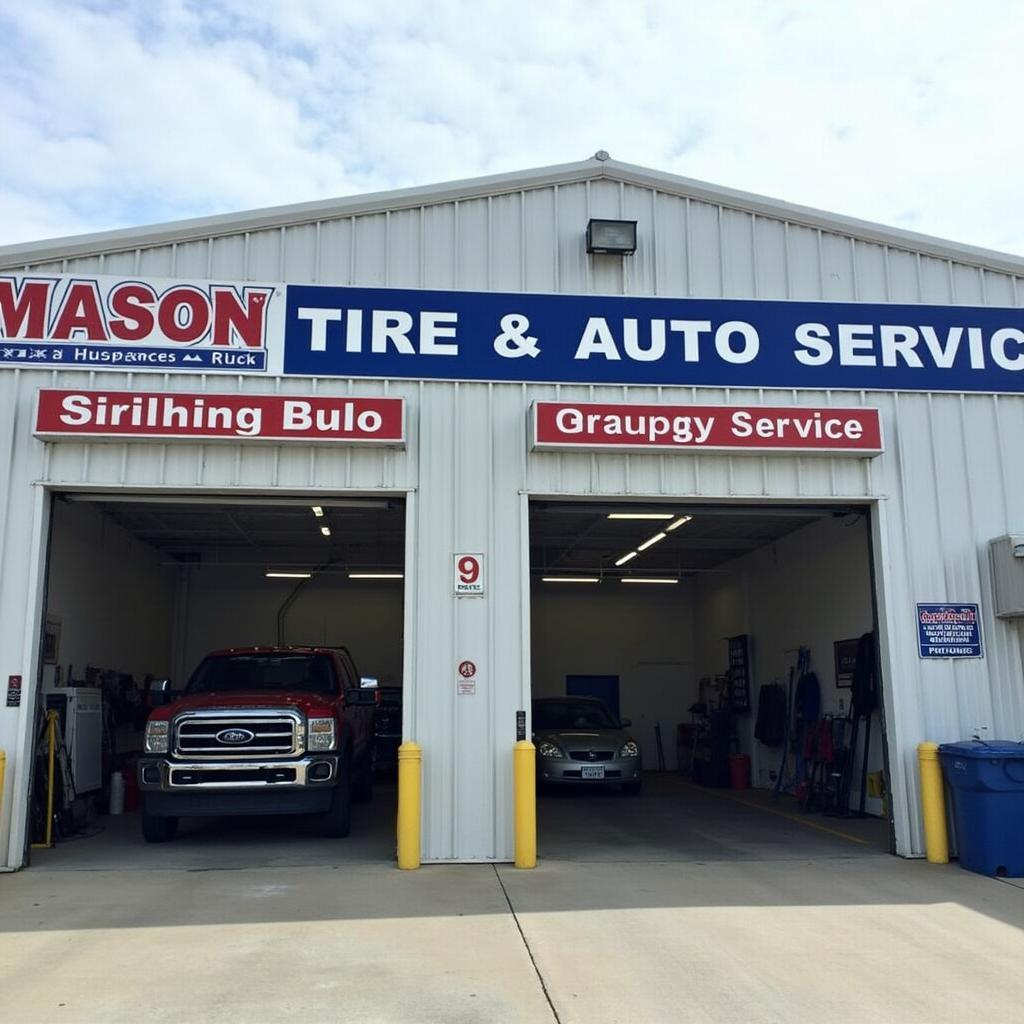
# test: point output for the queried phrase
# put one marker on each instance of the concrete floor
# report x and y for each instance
(681, 904)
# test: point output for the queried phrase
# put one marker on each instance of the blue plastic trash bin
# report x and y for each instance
(987, 784)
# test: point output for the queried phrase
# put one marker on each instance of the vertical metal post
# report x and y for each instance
(933, 804)
(410, 764)
(524, 771)
(51, 781)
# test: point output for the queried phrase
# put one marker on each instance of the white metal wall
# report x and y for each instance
(946, 484)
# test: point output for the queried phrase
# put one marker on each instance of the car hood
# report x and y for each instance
(584, 738)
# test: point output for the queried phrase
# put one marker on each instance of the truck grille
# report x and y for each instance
(204, 736)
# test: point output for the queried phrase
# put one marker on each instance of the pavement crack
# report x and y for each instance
(526, 944)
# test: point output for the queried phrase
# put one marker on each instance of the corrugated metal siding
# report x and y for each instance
(946, 484)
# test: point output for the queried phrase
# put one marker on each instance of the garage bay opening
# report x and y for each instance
(704, 681)
(221, 676)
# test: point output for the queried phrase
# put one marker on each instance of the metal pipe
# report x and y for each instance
(410, 765)
(933, 804)
(524, 771)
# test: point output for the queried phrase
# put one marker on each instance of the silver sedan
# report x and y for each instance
(580, 742)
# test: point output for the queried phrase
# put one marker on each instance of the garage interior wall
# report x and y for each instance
(642, 634)
(237, 607)
(807, 589)
(112, 595)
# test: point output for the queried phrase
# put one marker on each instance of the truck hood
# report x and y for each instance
(310, 704)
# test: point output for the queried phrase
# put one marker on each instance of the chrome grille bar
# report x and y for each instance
(273, 733)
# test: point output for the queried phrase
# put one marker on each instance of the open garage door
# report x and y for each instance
(266, 635)
(693, 680)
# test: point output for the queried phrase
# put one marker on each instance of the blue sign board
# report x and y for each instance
(949, 631)
(594, 339)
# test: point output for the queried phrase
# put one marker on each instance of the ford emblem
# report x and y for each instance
(234, 736)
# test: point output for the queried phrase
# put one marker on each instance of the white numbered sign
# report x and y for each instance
(469, 575)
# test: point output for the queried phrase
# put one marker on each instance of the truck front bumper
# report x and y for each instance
(303, 786)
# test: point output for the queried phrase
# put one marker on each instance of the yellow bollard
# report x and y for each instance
(410, 762)
(524, 772)
(933, 804)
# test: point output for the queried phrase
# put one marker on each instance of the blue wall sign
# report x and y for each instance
(949, 631)
(594, 339)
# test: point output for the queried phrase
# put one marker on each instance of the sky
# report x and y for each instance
(122, 113)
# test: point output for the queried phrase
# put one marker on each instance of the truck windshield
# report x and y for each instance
(307, 673)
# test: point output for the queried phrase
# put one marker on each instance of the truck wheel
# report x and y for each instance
(338, 819)
(362, 785)
(158, 829)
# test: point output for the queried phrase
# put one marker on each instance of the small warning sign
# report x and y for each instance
(949, 631)
(14, 691)
(467, 669)
(467, 687)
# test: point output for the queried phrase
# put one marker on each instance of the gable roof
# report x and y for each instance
(593, 169)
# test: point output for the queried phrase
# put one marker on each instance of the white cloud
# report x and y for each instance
(123, 113)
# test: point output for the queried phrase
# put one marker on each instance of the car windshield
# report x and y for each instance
(572, 714)
(307, 673)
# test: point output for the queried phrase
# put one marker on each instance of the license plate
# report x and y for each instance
(593, 771)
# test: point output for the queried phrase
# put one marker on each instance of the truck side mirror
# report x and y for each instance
(158, 693)
(364, 697)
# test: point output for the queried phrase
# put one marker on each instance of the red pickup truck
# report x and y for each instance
(261, 730)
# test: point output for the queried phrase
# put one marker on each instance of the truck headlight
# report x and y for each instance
(320, 734)
(629, 749)
(549, 750)
(157, 737)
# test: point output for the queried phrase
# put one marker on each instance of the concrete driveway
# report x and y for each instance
(834, 932)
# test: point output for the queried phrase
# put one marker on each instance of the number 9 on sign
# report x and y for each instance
(469, 575)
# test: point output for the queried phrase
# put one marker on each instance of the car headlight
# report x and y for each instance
(549, 750)
(157, 737)
(320, 734)
(629, 749)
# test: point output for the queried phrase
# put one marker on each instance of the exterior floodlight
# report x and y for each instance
(283, 575)
(647, 579)
(613, 237)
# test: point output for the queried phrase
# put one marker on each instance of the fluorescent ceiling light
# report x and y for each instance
(681, 521)
(570, 579)
(288, 575)
(625, 558)
(640, 515)
(654, 540)
(376, 576)
(646, 579)
(325, 530)
(318, 510)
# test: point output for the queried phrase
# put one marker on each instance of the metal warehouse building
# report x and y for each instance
(825, 414)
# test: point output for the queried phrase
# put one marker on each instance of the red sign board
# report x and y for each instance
(732, 428)
(166, 416)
